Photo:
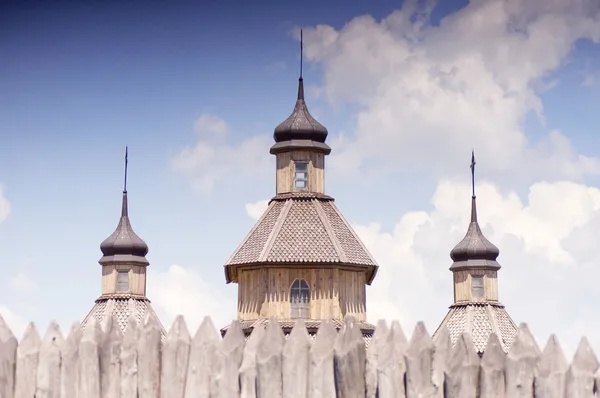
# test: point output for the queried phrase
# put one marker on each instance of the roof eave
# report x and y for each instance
(297, 145)
(475, 263)
(124, 259)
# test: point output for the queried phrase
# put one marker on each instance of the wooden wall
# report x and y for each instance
(101, 362)
(137, 278)
(334, 293)
(462, 284)
(286, 174)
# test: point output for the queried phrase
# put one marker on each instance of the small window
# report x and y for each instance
(301, 176)
(122, 281)
(299, 299)
(477, 286)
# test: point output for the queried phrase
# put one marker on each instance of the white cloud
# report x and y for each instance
(23, 283)
(255, 210)
(544, 269)
(5, 206)
(427, 94)
(182, 291)
(213, 159)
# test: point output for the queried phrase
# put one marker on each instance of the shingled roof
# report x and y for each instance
(479, 319)
(301, 229)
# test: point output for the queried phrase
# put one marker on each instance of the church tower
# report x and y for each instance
(476, 309)
(123, 274)
(302, 259)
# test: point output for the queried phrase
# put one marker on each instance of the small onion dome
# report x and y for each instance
(474, 251)
(300, 125)
(123, 245)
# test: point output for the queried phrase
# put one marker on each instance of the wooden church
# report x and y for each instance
(302, 259)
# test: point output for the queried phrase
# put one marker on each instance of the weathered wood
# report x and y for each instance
(580, 379)
(378, 345)
(491, 377)
(129, 360)
(441, 357)
(48, 371)
(230, 354)
(89, 360)
(248, 371)
(462, 375)
(174, 360)
(27, 363)
(110, 359)
(392, 367)
(201, 379)
(148, 354)
(321, 382)
(8, 360)
(269, 362)
(551, 371)
(296, 362)
(349, 360)
(419, 361)
(70, 368)
(521, 363)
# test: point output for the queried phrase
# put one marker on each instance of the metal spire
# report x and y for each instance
(125, 183)
(473, 171)
(473, 201)
(301, 50)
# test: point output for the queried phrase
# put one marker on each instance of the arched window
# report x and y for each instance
(299, 299)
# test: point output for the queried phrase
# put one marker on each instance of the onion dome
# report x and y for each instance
(474, 251)
(300, 131)
(300, 125)
(123, 245)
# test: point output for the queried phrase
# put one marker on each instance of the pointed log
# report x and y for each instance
(321, 382)
(521, 364)
(377, 346)
(48, 371)
(269, 362)
(201, 377)
(28, 353)
(8, 360)
(230, 354)
(551, 371)
(361, 353)
(392, 367)
(296, 360)
(349, 360)
(248, 371)
(148, 353)
(128, 357)
(441, 357)
(110, 358)
(580, 379)
(419, 361)
(69, 369)
(175, 359)
(462, 376)
(89, 360)
(491, 377)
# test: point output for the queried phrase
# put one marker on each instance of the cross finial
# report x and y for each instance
(473, 172)
(125, 183)
(301, 50)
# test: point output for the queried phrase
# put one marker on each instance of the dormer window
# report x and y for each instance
(122, 281)
(301, 176)
(477, 286)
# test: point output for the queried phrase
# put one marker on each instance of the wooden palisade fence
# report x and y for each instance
(102, 363)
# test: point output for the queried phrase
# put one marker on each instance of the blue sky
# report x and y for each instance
(82, 81)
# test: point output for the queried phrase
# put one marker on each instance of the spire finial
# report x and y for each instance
(125, 183)
(473, 172)
(301, 50)
(473, 202)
